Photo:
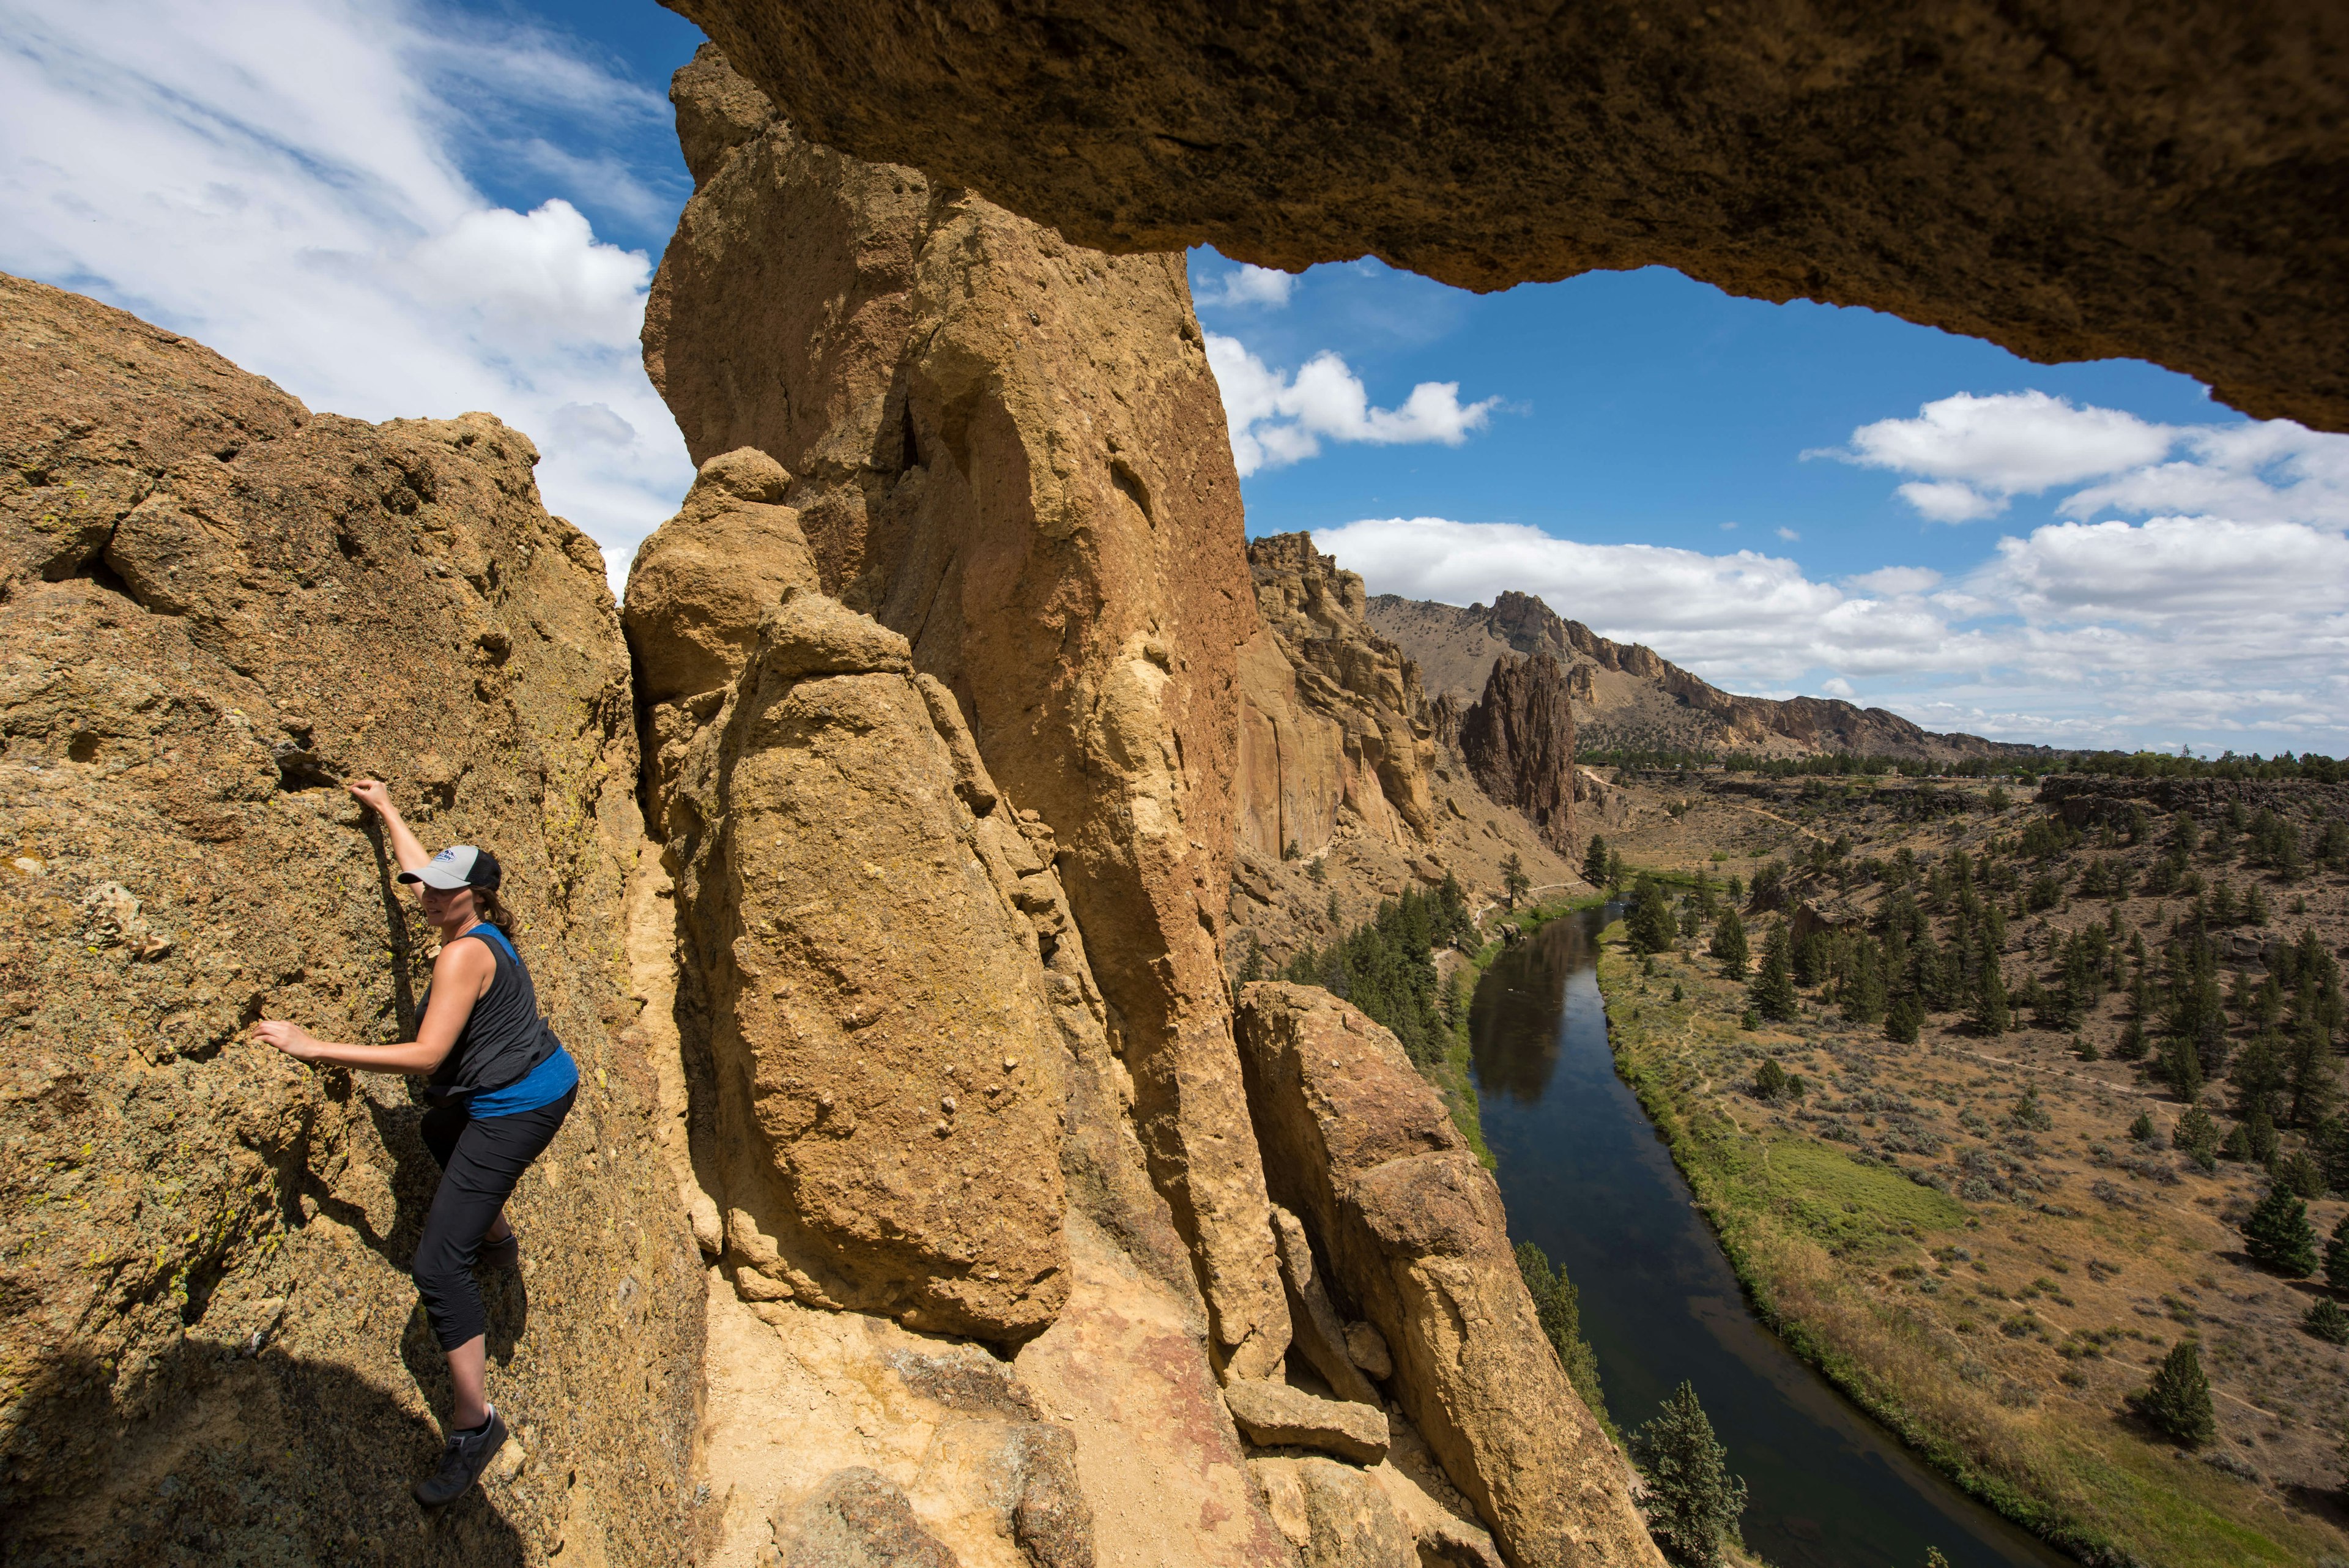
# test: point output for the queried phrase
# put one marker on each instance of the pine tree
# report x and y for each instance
(1990, 1014)
(2179, 1402)
(1904, 1021)
(2327, 1321)
(1557, 1306)
(2197, 1135)
(1729, 944)
(1514, 880)
(2278, 1235)
(2336, 1256)
(1594, 862)
(1693, 1500)
(1773, 990)
(1652, 928)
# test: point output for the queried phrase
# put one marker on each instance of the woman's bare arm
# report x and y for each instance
(460, 976)
(376, 796)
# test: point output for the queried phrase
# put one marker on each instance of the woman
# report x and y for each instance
(501, 1084)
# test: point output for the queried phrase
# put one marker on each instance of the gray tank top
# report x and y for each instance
(504, 1038)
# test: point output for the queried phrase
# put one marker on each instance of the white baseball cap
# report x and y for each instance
(459, 865)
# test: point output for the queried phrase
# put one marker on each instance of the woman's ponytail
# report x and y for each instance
(488, 908)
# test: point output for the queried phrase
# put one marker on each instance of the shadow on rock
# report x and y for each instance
(263, 1461)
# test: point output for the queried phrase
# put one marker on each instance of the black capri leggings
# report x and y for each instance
(481, 1159)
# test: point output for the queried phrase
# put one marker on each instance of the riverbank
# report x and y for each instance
(1998, 1339)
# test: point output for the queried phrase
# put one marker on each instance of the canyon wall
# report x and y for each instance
(214, 604)
(2029, 173)
(1332, 715)
(1351, 786)
(1009, 451)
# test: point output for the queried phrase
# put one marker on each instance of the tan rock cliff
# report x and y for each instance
(216, 603)
(1009, 451)
(1358, 1147)
(1332, 716)
(2032, 174)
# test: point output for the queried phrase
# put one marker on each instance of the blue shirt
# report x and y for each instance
(542, 1086)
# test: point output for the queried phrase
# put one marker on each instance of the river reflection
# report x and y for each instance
(1586, 1179)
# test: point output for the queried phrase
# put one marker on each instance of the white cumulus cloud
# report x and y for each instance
(1974, 455)
(284, 183)
(2076, 633)
(1277, 418)
(1262, 287)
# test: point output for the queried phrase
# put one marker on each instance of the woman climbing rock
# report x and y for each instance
(501, 1084)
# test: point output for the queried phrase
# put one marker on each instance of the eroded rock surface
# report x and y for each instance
(1332, 716)
(1357, 1145)
(216, 604)
(2032, 174)
(1009, 450)
(865, 928)
(1518, 741)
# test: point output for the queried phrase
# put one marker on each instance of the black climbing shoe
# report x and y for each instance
(463, 1462)
(505, 1254)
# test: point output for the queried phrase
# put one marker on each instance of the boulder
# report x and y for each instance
(1335, 1515)
(1274, 1414)
(703, 583)
(1357, 1145)
(216, 605)
(866, 993)
(2033, 175)
(1010, 451)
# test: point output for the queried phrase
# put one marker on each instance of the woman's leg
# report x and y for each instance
(485, 1163)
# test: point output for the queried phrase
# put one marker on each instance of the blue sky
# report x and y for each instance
(415, 207)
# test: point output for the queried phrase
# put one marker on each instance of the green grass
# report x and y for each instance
(1831, 1195)
(1793, 1215)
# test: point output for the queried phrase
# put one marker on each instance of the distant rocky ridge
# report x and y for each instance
(1627, 696)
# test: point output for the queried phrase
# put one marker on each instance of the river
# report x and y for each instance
(1588, 1181)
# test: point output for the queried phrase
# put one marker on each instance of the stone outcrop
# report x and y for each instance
(1518, 738)
(1358, 1147)
(1625, 695)
(1332, 716)
(1274, 1414)
(214, 604)
(1009, 450)
(2030, 175)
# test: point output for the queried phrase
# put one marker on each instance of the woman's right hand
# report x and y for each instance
(373, 793)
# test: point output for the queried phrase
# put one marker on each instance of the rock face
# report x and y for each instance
(868, 995)
(2032, 175)
(1332, 716)
(216, 605)
(1357, 1145)
(1518, 741)
(1624, 695)
(1009, 451)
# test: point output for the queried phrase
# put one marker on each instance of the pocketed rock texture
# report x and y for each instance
(1624, 695)
(1518, 742)
(216, 605)
(1358, 1147)
(2033, 174)
(1011, 452)
(1332, 716)
(889, 1079)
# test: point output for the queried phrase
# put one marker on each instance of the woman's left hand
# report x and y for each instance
(291, 1038)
